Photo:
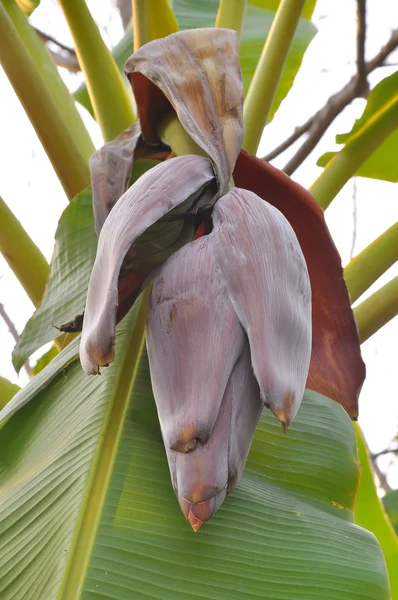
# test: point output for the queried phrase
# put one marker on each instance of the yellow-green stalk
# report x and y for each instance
(112, 103)
(269, 70)
(23, 256)
(45, 111)
(231, 14)
(377, 310)
(372, 262)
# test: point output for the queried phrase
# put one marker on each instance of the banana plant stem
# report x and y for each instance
(63, 150)
(152, 19)
(141, 25)
(372, 262)
(360, 147)
(269, 70)
(377, 310)
(23, 256)
(112, 104)
(231, 14)
(52, 79)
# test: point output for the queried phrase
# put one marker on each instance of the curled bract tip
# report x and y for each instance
(201, 512)
(207, 94)
(195, 523)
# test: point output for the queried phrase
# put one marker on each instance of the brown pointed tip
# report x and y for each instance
(283, 417)
(194, 522)
(200, 512)
(286, 413)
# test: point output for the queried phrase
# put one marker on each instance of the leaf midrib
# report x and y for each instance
(97, 486)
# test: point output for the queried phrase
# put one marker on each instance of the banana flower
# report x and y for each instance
(235, 251)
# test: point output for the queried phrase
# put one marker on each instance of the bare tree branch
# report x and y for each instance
(384, 452)
(319, 123)
(382, 477)
(13, 330)
(362, 81)
(296, 135)
(64, 56)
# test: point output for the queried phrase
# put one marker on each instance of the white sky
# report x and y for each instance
(31, 189)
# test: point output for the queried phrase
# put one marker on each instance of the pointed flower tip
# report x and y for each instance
(199, 513)
(284, 417)
(194, 522)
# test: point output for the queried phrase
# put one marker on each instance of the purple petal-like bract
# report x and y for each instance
(194, 339)
(267, 279)
(180, 180)
(229, 303)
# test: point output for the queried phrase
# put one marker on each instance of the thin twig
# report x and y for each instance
(46, 37)
(384, 452)
(13, 330)
(382, 477)
(65, 61)
(65, 57)
(354, 216)
(296, 135)
(318, 123)
(362, 81)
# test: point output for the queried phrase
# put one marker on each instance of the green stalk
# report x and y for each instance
(101, 471)
(152, 19)
(141, 26)
(269, 70)
(357, 150)
(374, 312)
(43, 110)
(371, 263)
(172, 133)
(108, 94)
(231, 14)
(52, 79)
(22, 255)
(370, 513)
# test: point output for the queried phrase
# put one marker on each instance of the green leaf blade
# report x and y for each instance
(7, 391)
(382, 163)
(65, 295)
(276, 535)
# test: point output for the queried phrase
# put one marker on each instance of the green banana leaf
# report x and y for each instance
(7, 391)
(390, 502)
(44, 360)
(258, 19)
(87, 508)
(383, 162)
(369, 513)
(65, 294)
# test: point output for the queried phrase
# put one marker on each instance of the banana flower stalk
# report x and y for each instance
(230, 323)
